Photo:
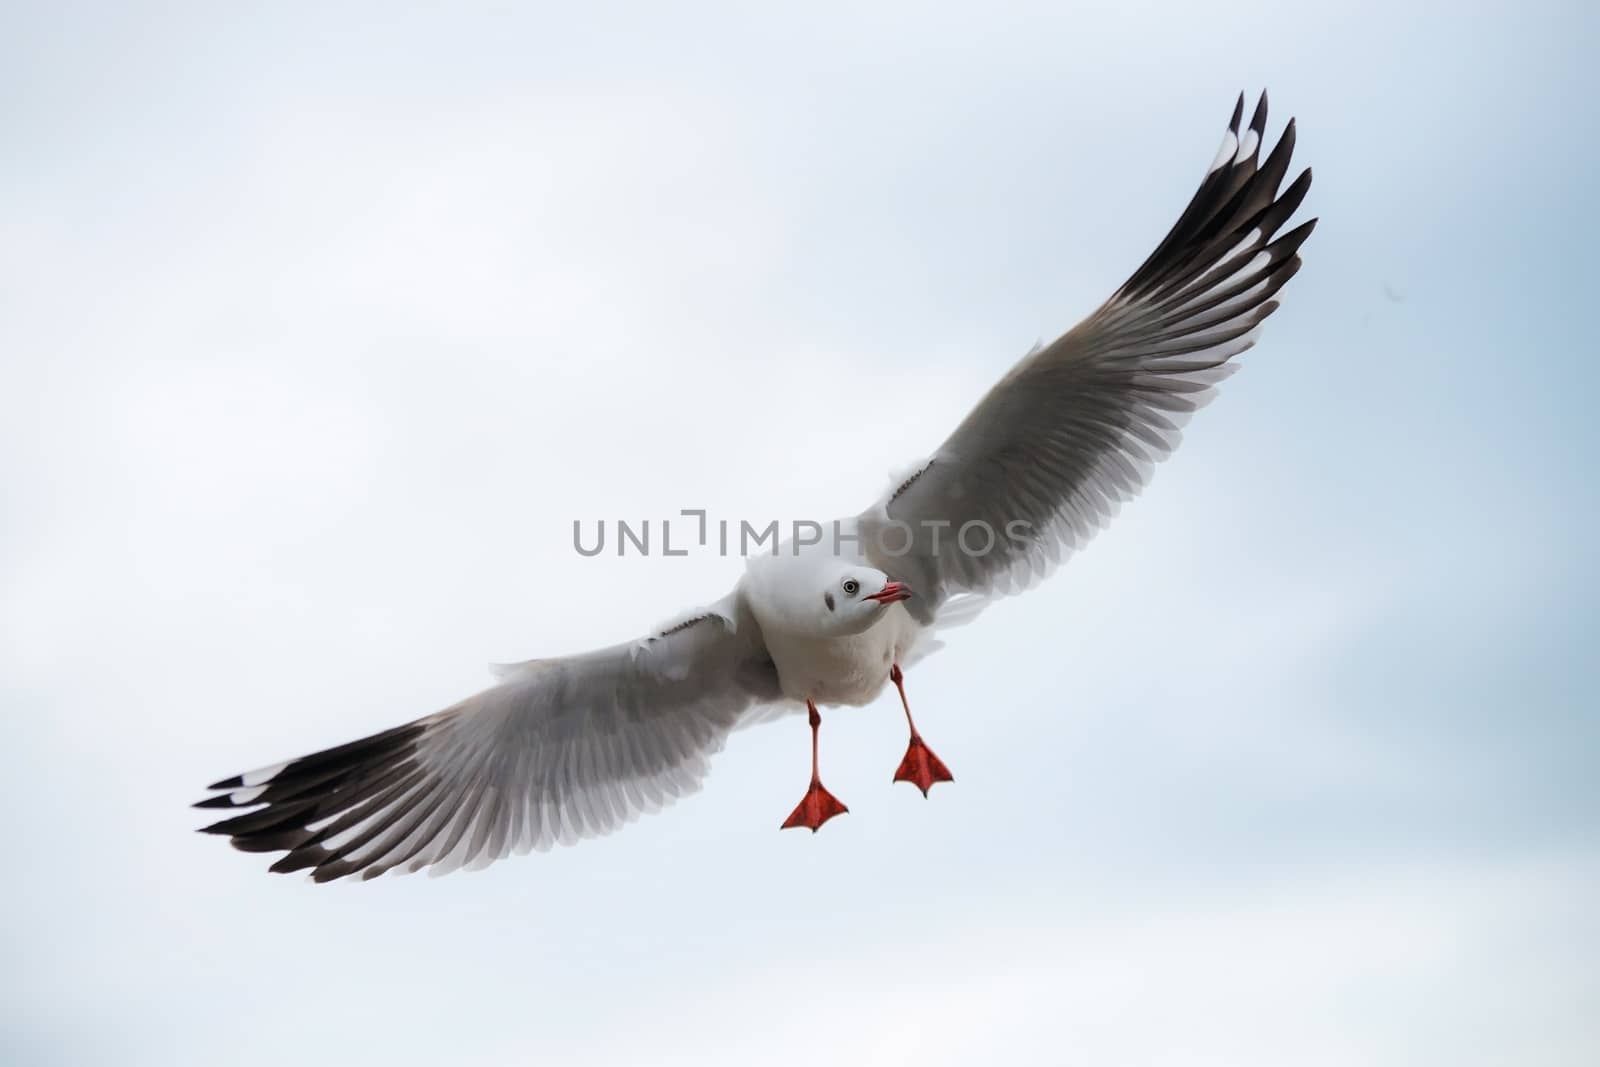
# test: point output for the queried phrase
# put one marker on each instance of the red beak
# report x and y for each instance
(890, 593)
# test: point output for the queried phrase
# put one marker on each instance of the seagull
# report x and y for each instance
(565, 748)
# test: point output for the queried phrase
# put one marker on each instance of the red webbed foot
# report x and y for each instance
(816, 808)
(921, 767)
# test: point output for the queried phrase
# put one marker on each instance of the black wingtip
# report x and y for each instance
(222, 800)
(1238, 113)
(1258, 121)
(299, 860)
(236, 782)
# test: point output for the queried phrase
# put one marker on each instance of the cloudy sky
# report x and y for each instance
(319, 327)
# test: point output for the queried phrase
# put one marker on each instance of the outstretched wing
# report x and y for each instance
(561, 749)
(1047, 456)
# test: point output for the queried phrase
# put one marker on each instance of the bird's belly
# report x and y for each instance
(834, 670)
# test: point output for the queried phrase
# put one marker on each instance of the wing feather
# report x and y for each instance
(559, 750)
(1074, 430)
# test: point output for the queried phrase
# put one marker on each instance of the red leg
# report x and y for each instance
(920, 767)
(818, 805)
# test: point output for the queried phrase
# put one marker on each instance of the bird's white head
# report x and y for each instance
(817, 595)
(848, 599)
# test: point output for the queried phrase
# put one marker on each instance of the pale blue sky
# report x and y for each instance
(319, 327)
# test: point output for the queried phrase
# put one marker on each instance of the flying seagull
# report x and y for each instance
(572, 747)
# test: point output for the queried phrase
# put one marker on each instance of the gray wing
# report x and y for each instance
(561, 749)
(1047, 456)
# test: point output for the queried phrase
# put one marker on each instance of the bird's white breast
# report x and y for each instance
(842, 670)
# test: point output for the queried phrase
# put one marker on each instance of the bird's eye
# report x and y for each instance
(851, 586)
